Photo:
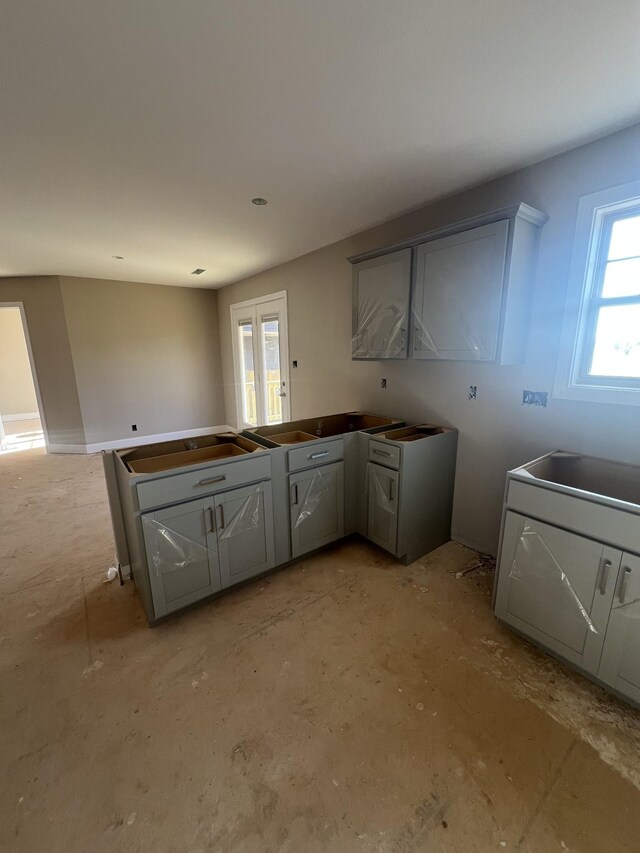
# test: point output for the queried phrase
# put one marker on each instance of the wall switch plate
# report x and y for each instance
(383, 383)
(473, 392)
(535, 398)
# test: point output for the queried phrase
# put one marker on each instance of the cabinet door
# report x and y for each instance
(244, 523)
(620, 664)
(381, 289)
(556, 587)
(182, 555)
(458, 294)
(317, 507)
(382, 506)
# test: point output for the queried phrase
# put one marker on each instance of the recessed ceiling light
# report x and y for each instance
(118, 257)
(259, 201)
(198, 271)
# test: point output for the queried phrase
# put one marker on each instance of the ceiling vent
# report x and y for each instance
(198, 271)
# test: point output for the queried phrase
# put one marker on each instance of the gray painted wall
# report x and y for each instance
(143, 354)
(54, 371)
(496, 431)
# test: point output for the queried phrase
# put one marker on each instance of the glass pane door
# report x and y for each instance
(248, 372)
(261, 357)
(273, 390)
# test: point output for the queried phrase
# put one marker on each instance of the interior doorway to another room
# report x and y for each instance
(21, 423)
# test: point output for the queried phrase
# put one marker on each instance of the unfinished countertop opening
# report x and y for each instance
(153, 458)
(413, 433)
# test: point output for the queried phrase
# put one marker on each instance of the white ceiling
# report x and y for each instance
(143, 128)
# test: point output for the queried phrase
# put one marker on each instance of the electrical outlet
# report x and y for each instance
(383, 383)
(535, 398)
(473, 392)
(134, 427)
(295, 362)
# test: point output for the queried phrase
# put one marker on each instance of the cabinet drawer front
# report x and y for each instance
(384, 454)
(613, 526)
(315, 454)
(204, 481)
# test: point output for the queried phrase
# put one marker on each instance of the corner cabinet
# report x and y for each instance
(381, 290)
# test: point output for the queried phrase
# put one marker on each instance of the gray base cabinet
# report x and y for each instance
(244, 520)
(197, 520)
(382, 506)
(316, 507)
(197, 548)
(182, 555)
(620, 664)
(552, 588)
(573, 594)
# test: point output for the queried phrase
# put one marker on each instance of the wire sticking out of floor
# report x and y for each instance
(484, 564)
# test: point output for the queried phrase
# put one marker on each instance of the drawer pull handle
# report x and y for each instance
(381, 452)
(622, 592)
(211, 480)
(605, 565)
(318, 455)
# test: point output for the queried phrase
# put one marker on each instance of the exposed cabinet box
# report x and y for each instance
(575, 590)
(470, 294)
(381, 289)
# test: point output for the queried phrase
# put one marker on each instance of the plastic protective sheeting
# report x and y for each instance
(423, 339)
(315, 494)
(247, 517)
(174, 550)
(382, 329)
(383, 500)
(536, 568)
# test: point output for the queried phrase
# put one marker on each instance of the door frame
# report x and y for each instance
(284, 353)
(32, 364)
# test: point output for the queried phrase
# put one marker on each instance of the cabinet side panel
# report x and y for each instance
(426, 494)
(516, 314)
(109, 462)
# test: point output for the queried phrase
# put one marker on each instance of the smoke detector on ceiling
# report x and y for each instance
(259, 201)
(198, 271)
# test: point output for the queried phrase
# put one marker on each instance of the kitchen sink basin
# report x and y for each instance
(598, 477)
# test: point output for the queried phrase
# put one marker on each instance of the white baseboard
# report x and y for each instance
(22, 416)
(136, 441)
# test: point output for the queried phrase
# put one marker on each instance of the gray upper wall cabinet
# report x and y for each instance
(471, 286)
(458, 293)
(381, 292)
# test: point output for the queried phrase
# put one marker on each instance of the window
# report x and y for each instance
(260, 354)
(600, 353)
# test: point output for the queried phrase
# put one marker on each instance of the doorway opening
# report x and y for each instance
(259, 334)
(21, 422)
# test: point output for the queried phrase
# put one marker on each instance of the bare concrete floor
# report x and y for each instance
(346, 703)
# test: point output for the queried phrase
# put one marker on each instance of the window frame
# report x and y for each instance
(596, 214)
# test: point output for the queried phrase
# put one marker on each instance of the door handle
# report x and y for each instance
(603, 576)
(210, 480)
(318, 455)
(212, 518)
(222, 524)
(295, 494)
(390, 491)
(624, 581)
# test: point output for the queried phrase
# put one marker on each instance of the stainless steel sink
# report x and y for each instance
(598, 477)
